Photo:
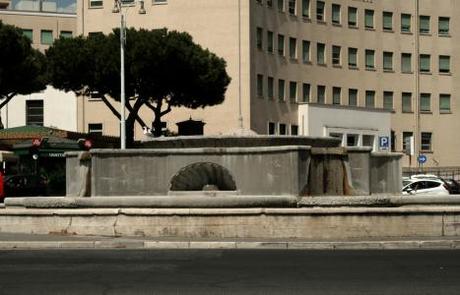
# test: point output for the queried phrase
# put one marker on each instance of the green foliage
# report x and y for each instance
(22, 68)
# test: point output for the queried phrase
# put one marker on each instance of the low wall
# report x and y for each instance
(302, 223)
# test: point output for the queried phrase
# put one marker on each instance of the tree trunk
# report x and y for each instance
(157, 123)
(129, 132)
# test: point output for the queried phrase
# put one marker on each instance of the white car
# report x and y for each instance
(426, 187)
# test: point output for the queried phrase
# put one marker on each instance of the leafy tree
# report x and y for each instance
(22, 68)
(163, 69)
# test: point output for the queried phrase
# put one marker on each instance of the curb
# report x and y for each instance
(152, 245)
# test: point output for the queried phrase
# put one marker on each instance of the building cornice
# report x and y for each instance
(37, 13)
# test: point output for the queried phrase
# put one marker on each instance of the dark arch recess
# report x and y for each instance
(196, 176)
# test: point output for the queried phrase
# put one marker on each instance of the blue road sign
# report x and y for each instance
(384, 142)
(422, 159)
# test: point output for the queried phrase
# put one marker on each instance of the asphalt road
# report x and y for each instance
(229, 272)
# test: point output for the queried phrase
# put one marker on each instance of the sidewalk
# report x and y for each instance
(12, 241)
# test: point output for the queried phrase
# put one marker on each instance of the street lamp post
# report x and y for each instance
(118, 9)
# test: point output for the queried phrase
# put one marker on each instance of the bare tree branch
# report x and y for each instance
(7, 99)
(110, 106)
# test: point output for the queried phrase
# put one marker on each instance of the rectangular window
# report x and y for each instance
(281, 90)
(387, 21)
(95, 128)
(270, 3)
(271, 128)
(260, 86)
(34, 112)
(369, 19)
(336, 14)
(28, 33)
(406, 23)
(444, 103)
(291, 7)
(406, 100)
(424, 63)
(406, 141)
(388, 100)
(444, 64)
(293, 91)
(280, 45)
(388, 61)
(66, 34)
(46, 37)
(281, 5)
(352, 139)
(370, 99)
(443, 25)
(353, 97)
(306, 8)
(270, 87)
(352, 16)
(259, 38)
(320, 10)
(406, 63)
(352, 57)
(270, 41)
(370, 59)
(95, 3)
(424, 24)
(294, 130)
(305, 51)
(336, 95)
(336, 55)
(292, 48)
(368, 140)
(306, 92)
(426, 141)
(321, 94)
(282, 129)
(320, 53)
(425, 102)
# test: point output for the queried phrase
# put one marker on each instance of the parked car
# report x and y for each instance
(454, 186)
(426, 187)
(24, 185)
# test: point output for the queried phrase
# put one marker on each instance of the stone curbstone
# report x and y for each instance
(436, 245)
(119, 244)
(357, 246)
(310, 246)
(166, 245)
(261, 245)
(212, 245)
(77, 245)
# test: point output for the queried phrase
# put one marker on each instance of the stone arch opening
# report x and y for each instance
(203, 176)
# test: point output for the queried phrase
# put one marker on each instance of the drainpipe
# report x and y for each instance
(417, 135)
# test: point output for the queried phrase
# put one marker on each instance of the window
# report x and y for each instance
(336, 14)
(280, 5)
(28, 33)
(320, 54)
(352, 16)
(444, 103)
(352, 139)
(388, 61)
(292, 91)
(305, 51)
(443, 25)
(368, 140)
(425, 102)
(294, 129)
(282, 129)
(426, 141)
(321, 95)
(259, 38)
(352, 57)
(406, 64)
(159, 1)
(270, 3)
(387, 21)
(407, 138)
(271, 128)
(370, 99)
(336, 55)
(270, 87)
(306, 92)
(280, 45)
(388, 100)
(306, 8)
(292, 6)
(424, 24)
(95, 3)
(95, 128)
(444, 64)
(336, 94)
(369, 19)
(46, 37)
(352, 97)
(320, 10)
(270, 41)
(281, 89)
(406, 99)
(34, 112)
(424, 63)
(260, 86)
(370, 59)
(66, 34)
(406, 23)
(292, 48)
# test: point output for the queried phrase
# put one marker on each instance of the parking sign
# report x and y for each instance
(384, 143)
